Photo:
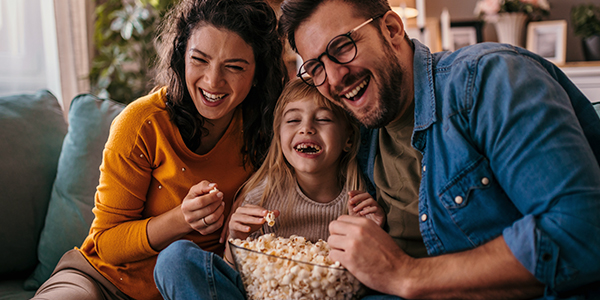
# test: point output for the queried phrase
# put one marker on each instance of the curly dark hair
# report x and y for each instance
(294, 12)
(256, 23)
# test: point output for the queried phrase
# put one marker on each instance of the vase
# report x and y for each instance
(510, 28)
(591, 47)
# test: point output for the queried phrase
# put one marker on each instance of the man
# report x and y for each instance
(509, 201)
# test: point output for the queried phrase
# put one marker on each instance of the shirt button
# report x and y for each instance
(424, 168)
(160, 187)
(485, 181)
(183, 169)
(141, 155)
(423, 217)
(458, 199)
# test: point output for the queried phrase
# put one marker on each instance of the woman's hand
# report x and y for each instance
(247, 219)
(363, 205)
(203, 209)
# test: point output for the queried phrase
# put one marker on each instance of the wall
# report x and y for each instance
(560, 10)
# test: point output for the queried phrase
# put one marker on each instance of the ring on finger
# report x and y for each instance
(204, 221)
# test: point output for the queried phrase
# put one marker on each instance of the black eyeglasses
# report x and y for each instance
(341, 50)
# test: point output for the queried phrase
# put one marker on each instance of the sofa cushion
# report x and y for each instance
(32, 128)
(70, 208)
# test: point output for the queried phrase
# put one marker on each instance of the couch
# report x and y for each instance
(48, 176)
(49, 171)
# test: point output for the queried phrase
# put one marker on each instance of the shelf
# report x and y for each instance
(586, 75)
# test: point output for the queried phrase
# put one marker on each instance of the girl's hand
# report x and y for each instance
(203, 210)
(247, 219)
(363, 205)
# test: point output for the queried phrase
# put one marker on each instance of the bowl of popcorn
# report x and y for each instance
(291, 268)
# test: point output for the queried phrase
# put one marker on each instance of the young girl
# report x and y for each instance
(307, 179)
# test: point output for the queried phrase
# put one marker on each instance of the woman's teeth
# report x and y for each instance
(212, 97)
(357, 89)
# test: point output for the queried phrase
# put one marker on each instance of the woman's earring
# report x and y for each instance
(347, 148)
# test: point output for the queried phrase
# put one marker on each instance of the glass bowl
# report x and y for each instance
(269, 276)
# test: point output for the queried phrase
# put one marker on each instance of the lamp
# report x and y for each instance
(404, 8)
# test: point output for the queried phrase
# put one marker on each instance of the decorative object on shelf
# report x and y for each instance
(465, 33)
(511, 16)
(586, 23)
(548, 39)
(445, 25)
(510, 28)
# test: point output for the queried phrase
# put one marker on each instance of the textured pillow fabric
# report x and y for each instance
(70, 208)
(32, 128)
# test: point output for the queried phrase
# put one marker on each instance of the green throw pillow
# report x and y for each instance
(32, 128)
(70, 210)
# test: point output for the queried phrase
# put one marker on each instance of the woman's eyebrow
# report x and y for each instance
(239, 60)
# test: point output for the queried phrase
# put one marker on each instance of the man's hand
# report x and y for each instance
(367, 251)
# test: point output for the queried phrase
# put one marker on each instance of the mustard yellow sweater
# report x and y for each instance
(146, 171)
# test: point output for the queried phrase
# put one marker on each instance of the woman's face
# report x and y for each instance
(219, 71)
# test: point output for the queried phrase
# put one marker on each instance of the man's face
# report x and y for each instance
(373, 87)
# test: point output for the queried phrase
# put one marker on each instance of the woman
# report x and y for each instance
(175, 158)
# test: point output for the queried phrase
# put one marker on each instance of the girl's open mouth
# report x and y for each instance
(308, 148)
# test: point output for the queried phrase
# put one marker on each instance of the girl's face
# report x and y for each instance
(219, 71)
(312, 137)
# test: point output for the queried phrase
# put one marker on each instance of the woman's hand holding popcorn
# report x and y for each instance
(203, 208)
(363, 205)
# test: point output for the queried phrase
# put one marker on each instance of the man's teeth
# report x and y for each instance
(306, 148)
(357, 89)
(212, 97)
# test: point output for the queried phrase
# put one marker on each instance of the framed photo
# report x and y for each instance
(465, 33)
(548, 39)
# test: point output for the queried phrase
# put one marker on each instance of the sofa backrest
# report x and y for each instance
(32, 128)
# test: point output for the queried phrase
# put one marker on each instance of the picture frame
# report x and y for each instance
(548, 39)
(465, 33)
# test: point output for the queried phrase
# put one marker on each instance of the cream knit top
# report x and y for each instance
(299, 215)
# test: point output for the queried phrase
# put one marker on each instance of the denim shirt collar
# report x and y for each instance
(425, 113)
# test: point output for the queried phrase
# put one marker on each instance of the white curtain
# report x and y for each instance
(74, 31)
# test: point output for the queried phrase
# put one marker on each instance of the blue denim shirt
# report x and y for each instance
(510, 147)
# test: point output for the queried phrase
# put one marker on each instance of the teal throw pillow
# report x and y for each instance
(70, 210)
(32, 128)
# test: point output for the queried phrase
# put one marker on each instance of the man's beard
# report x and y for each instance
(387, 106)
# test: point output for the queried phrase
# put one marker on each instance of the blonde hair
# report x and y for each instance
(276, 170)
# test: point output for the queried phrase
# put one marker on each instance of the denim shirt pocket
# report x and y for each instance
(477, 204)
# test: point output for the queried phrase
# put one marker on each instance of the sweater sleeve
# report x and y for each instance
(121, 196)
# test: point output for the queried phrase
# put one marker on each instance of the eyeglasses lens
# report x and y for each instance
(340, 49)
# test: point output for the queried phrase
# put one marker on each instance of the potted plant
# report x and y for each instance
(122, 68)
(511, 16)
(586, 22)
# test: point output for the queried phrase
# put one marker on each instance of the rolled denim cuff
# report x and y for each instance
(534, 249)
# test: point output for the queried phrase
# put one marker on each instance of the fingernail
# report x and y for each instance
(212, 184)
(220, 194)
